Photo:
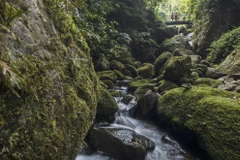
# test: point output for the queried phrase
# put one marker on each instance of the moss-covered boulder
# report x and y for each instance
(204, 82)
(146, 70)
(164, 85)
(164, 32)
(102, 64)
(178, 41)
(144, 88)
(132, 86)
(231, 65)
(107, 105)
(183, 30)
(116, 65)
(133, 71)
(119, 75)
(110, 75)
(209, 115)
(121, 143)
(160, 61)
(177, 67)
(146, 105)
(109, 83)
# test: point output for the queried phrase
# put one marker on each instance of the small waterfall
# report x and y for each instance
(166, 147)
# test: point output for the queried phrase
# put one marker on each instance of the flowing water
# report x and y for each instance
(166, 147)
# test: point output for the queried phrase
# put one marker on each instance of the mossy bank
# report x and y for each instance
(210, 115)
(49, 89)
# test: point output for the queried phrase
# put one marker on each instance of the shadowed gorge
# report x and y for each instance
(119, 79)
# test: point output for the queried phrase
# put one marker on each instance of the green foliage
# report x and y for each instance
(221, 48)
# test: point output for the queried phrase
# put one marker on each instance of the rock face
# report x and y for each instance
(206, 115)
(121, 143)
(216, 17)
(231, 65)
(49, 98)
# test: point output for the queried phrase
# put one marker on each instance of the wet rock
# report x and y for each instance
(214, 73)
(126, 99)
(147, 104)
(121, 143)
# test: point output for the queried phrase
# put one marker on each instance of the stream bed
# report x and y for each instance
(166, 147)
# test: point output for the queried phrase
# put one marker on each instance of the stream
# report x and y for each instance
(167, 148)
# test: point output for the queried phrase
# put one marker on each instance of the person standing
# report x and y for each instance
(176, 16)
(172, 16)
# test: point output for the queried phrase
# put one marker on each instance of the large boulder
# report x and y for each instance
(178, 41)
(102, 64)
(107, 105)
(133, 71)
(132, 86)
(121, 143)
(164, 32)
(208, 116)
(146, 105)
(146, 70)
(177, 67)
(107, 75)
(231, 65)
(214, 73)
(115, 65)
(160, 61)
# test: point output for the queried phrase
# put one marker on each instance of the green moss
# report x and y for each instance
(161, 60)
(231, 65)
(132, 70)
(114, 93)
(166, 85)
(144, 88)
(107, 104)
(132, 86)
(211, 114)
(115, 65)
(177, 67)
(146, 70)
(107, 75)
(119, 75)
(8, 12)
(221, 48)
(48, 104)
(205, 82)
(108, 83)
